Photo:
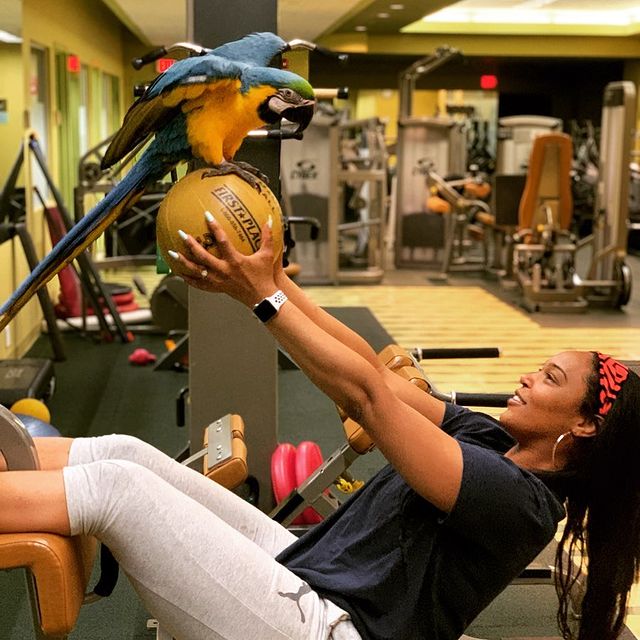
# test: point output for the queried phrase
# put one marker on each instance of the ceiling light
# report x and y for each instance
(9, 38)
(533, 4)
(500, 16)
(396, 7)
(360, 27)
(448, 15)
(383, 15)
(592, 17)
(532, 16)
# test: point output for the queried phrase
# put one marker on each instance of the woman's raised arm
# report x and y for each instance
(428, 459)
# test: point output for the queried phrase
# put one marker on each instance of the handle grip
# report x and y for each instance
(481, 399)
(152, 56)
(461, 352)
(341, 93)
(276, 134)
(341, 57)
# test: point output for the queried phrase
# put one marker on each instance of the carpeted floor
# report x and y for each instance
(98, 391)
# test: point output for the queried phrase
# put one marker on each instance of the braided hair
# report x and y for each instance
(603, 509)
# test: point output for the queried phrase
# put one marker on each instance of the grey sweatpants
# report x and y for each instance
(200, 558)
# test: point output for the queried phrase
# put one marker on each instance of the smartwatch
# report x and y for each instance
(267, 308)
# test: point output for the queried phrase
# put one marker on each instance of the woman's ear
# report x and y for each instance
(587, 428)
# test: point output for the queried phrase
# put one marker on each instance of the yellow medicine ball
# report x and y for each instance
(32, 407)
(240, 209)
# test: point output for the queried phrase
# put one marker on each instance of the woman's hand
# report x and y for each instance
(248, 279)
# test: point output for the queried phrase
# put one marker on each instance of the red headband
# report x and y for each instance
(612, 375)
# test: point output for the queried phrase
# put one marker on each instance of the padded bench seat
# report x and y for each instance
(60, 568)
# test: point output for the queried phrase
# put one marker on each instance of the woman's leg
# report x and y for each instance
(194, 572)
(33, 501)
(238, 513)
(53, 453)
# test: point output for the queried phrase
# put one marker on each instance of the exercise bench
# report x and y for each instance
(58, 568)
(314, 490)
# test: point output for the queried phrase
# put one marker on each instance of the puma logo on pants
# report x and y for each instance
(305, 588)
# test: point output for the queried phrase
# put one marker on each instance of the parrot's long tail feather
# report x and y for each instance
(81, 235)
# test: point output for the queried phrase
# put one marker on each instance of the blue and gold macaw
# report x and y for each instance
(201, 107)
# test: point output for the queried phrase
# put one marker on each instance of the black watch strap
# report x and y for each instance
(267, 308)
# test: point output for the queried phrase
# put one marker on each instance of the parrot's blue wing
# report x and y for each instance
(225, 61)
(158, 106)
(163, 99)
(207, 68)
(256, 49)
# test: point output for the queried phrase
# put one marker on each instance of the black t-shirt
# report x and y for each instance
(405, 570)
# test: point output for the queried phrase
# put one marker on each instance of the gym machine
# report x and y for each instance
(99, 295)
(546, 264)
(346, 159)
(609, 278)
(463, 232)
(438, 143)
(58, 568)
(358, 170)
(515, 137)
(314, 490)
(13, 215)
(130, 240)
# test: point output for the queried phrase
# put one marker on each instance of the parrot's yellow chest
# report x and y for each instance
(219, 117)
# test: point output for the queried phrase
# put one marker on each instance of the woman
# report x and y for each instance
(462, 509)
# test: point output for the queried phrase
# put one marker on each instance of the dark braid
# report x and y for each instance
(603, 518)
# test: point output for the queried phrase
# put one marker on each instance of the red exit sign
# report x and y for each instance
(162, 64)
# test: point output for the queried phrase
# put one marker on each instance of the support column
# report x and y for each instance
(232, 358)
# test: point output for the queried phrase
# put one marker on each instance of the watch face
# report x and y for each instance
(265, 310)
(268, 308)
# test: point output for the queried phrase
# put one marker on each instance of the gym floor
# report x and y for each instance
(474, 311)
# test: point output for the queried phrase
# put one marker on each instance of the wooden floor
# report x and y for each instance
(471, 317)
(416, 313)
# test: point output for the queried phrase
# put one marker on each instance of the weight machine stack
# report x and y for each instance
(515, 138)
(608, 277)
(364, 172)
(339, 166)
(438, 143)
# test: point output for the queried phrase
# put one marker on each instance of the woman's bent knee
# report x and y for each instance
(98, 492)
(115, 446)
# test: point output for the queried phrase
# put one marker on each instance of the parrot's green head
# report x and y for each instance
(293, 100)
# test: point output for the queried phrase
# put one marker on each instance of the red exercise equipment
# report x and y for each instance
(290, 467)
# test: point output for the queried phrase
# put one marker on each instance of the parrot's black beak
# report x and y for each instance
(301, 114)
(291, 106)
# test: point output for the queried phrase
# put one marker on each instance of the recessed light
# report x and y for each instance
(383, 15)
(396, 7)
(360, 27)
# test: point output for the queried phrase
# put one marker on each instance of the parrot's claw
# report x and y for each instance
(243, 170)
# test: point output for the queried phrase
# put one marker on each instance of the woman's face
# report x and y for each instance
(548, 402)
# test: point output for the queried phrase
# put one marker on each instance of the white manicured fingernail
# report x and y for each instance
(270, 221)
(209, 216)
(182, 234)
(173, 254)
